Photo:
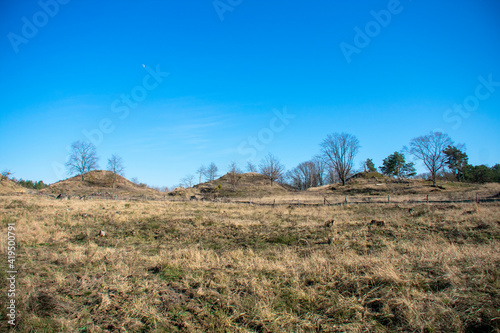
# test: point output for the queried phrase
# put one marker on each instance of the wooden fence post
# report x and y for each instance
(346, 200)
(477, 197)
(324, 201)
(389, 198)
(427, 198)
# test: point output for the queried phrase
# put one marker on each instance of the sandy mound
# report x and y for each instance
(249, 184)
(7, 186)
(100, 183)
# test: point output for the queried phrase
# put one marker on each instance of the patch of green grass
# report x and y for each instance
(37, 324)
(285, 239)
(172, 273)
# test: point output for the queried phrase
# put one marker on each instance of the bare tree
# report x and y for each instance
(303, 176)
(319, 169)
(115, 165)
(234, 173)
(339, 151)
(187, 181)
(201, 171)
(83, 158)
(331, 175)
(251, 167)
(271, 168)
(308, 174)
(430, 149)
(211, 172)
(5, 174)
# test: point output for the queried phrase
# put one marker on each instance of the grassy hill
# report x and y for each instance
(100, 182)
(374, 183)
(7, 186)
(244, 185)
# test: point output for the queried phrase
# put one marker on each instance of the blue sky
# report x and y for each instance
(172, 85)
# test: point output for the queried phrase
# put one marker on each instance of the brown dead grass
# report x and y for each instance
(244, 185)
(7, 186)
(225, 267)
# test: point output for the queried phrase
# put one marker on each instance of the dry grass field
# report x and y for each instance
(226, 267)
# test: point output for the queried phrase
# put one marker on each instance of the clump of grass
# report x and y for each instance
(172, 273)
(285, 239)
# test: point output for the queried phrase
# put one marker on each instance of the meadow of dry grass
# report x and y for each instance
(226, 267)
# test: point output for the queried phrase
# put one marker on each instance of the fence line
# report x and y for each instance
(273, 202)
(484, 200)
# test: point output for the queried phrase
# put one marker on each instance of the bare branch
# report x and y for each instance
(430, 150)
(187, 181)
(83, 158)
(339, 151)
(211, 172)
(271, 168)
(115, 165)
(251, 167)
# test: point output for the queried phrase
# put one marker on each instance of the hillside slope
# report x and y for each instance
(100, 183)
(374, 183)
(7, 186)
(250, 185)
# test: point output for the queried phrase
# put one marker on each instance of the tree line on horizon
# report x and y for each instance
(29, 184)
(442, 158)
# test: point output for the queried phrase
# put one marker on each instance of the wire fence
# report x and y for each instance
(283, 201)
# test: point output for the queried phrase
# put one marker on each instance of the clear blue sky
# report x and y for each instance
(67, 67)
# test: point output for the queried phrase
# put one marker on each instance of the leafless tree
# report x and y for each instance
(234, 168)
(5, 174)
(201, 171)
(308, 174)
(234, 173)
(319, 170)
(83, 158)
(135, 180)
(211, 172)
(331, 176)
(430, 150)
(339, 151)
(251, 167)
(303, 176)
(115, 165)
(187, 181)
(271, 168)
